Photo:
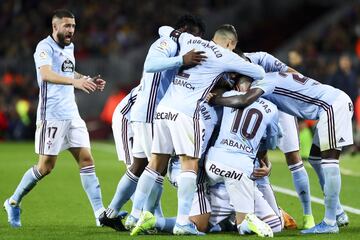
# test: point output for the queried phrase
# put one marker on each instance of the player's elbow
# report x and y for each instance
(260, 74)
(148, 67)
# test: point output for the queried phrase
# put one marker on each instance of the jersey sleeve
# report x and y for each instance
(267, 61)
(162, 56)
(267, 86)
(43, 55)
(234, 63)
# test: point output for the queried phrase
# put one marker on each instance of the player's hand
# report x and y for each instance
(85, 84)
(263, 171)
(100, 83)
(193, 58)
(209, 96)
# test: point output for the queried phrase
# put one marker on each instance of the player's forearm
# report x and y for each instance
(232, 101)
(48, 75)
(159, 64)
(78, 75)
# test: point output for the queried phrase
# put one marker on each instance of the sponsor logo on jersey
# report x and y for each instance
(163, 45)
(225, 173)
(183, 83)
(232, 143)
(43, 55)
(67, 66)
(166, 115)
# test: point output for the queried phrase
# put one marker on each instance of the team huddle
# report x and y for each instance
(203, 115)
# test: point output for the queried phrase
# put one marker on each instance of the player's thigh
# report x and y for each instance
(289, 142)
(50, 136)
(142, 139)
(241, 193)
(77, 136)
(123, 136)
(221, 207)
(186, 135)
(162, 140)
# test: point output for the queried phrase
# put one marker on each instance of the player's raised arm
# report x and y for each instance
(164, 54)
(238, 101)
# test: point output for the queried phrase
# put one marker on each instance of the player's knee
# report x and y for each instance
(45, 169)
(138, 166)
(86, 161)
(201, 222)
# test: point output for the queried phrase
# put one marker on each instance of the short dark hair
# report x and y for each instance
(62, 13)
(190, 21)
(227, 28)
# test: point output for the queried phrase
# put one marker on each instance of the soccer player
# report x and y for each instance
(59, 125)
(177, 126)
(306, 98)
(153, 85)
(289, 142)
(231, 160)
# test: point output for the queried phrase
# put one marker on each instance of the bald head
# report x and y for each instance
(226, 36)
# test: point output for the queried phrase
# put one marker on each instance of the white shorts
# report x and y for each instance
(123, 136)
(334, 128)
(174, 130)
(222, 206)
(53, 136)
(289, 142)
(143, 137)
(240, 187)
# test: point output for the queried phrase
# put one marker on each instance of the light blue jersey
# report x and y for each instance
(56, 101)
(127, 103)
(297, 95)
(189, 88)
(242, 130)
(154, 85)
(267, 61)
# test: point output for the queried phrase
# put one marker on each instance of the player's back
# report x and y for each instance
(190, 86)
(297, 95)
(242, 130)
(56, 101)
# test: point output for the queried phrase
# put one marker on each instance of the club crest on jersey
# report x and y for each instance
(67, 66)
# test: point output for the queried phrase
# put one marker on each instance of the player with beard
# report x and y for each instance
(59, 125)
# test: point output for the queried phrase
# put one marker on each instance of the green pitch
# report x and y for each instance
(58, 208)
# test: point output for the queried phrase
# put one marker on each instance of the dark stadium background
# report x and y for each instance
(112, 38)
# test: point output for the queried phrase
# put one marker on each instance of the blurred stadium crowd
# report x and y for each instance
(113, 27)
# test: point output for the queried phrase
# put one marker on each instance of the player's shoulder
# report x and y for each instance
(46, 44)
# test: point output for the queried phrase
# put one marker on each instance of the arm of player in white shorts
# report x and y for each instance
(267, 61)
(238, 101)
(235, 63)
(157, 61)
